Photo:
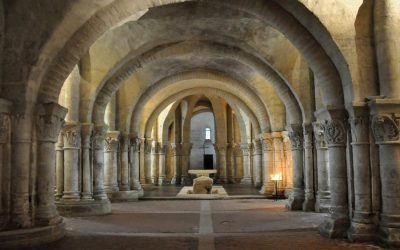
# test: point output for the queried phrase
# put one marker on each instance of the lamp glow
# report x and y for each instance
(276, 177)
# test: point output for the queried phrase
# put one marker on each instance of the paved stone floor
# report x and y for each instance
(199, 224)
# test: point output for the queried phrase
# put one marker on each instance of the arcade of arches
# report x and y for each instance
(99, 98)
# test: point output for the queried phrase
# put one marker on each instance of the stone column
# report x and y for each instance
(362, 227)
(287, 176)
(309, 202)
(246, 149)
(334, 126)
(124, 153)
(134, 173)
(98, 162)
(50, 118)
(323, 196)
(60, 166)
(87, 178)
(238, 162)
(229, 163)
(162, 163)
(186, 149)
(267, 148)
(5, 167)
(296, 198)
(147, 160)
(386, 129)
(258, 163)
(72, 141)
(177, 148)
(276, 164)
(221, 154)
(154, 161)
(111, 162)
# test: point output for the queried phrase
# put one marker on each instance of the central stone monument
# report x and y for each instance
(203, 183)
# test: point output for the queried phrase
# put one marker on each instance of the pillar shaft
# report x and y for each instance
(309, 202)
(162, 164)
(87, 178)
(111, 162)
(296, 198)
(124, 154)
(134, 164)
(246, 149)
(221, 156)
(60, 166)
(177, 148)
(155, 147)
(98, 163)
(186, 149)
(50, 118)
(267, 166)
(72, 141)
(258, 164)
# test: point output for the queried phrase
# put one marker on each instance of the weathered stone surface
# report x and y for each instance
(202, 185)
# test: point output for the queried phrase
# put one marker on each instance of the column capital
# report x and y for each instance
(385, 120)
(72, 135)
(112, 141)
(147, 144)
(334, 124)
(155, 147)
(98, 136)
(296, 136)
(267, 140)
(308, 135)
(221, 148)
(87, 134)
(125, 141)
(359, 123)
(135, 143)
(186, 148)
(246, 148)
(319, 135)
(177, 148)
(237, 150)
(257, 146)
(49, 120)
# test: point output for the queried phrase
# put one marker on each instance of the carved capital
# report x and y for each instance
(237, 151)
(177, 148)
(147, 145)
(334, 132)
(186, 148)
(246, 148)
(386, 128)
(112, 141)
(72, 135)
(319, 135)
(135, 144)
(4, 127)
(296, 136)
(308, 135)
(125, 141)
(87, 134)
(221, 148)
(98, 137)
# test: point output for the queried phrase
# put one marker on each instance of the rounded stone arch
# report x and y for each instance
(206, 49)
(141, 129)
(271, 12)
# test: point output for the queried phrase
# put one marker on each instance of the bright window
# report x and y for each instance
(208, 134)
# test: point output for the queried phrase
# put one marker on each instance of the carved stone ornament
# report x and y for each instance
(4, 128)
(177, 148)
(111, 144)
(147, 146)
(296, 138)
(335, 132)
(72, 136)
(135, 144)
(385, 128)
(245, 147)
(359, 129)
(98, 140)
(308, 136)
(319, 135)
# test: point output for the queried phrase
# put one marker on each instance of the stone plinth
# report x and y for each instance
(83, 208)
(202, 185)
(203, 172)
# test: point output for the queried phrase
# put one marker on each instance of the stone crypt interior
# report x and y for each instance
(108, 107)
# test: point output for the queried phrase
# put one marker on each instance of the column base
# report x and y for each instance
(136, 186)
(111, 189)
(185, 180)
(322, 205)
(265, 190)
(176, 180)
(295, 203)
(257, 184)
(83, 208)
(31, 237)
(121, 196)
(246, 181)
(309, 205)
(334, 228)
(124, 188)
(389, 236)
(361, 232)
(162, 181)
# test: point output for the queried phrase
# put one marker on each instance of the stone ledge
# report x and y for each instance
(83, 208)
(31, 237)
(121, 196)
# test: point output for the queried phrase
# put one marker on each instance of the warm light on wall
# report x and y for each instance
(276, 177)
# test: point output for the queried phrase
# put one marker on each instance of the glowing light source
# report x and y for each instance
(276, 177)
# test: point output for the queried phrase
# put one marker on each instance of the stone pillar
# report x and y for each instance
(134, 164)
(246, 149)
(50, 118)
(267, 167)
(362, 227)
(296, 198)
(111, 162)
(162, 163)
(386, 129)
(334, 126)
(147, 160)
(229, 162)
(21, 163)
(177, 148)
(323, 196)
(276, 164)
(87, 177)
(258, 163)
(72, 141)
(287, 176)
(238, 162)
(124, 153)
(5, 167)
(221, 156)
(60, 166)
(98, 163)
(186, 149)
(155, 146)
(309, 202)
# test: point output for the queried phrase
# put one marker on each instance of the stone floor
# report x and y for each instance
(199, 224)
